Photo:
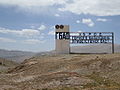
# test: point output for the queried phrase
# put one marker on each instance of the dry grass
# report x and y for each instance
(66, 72)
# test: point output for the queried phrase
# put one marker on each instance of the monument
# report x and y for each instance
(64, 38)
(62, 42)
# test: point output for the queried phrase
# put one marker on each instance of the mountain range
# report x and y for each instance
(17, 56)
(20, 56)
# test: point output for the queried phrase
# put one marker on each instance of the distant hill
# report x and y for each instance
(20, 56)
(17, 56)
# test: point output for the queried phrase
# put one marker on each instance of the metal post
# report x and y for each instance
(113, 43)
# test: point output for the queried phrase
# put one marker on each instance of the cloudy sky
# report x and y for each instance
(29, 24)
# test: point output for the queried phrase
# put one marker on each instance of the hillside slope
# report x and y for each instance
(65, 72)
(5, 64)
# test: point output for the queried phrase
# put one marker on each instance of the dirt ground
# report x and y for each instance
(65, 72)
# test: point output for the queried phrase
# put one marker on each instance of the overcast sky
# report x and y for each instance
(29, 24)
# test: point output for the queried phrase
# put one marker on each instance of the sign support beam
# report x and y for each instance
(113, 43)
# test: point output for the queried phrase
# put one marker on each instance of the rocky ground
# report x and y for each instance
(64, 72)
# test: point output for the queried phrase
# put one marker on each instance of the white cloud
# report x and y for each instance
(80, 31)
(32, 3)
(53, 27)
(7, 40)
(78, 21)
(23, 32)
(36, 6)
(57, 15)
(101, 20)
(41, 36)
(42, 27)
(29, 32)
(93, 7)
(88, 22)
(51, 32)
(32, 26)
(29, 36)
(33, 41)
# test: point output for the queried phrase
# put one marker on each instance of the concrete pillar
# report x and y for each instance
(62, 44)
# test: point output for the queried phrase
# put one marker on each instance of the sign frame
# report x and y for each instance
(96, 37)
